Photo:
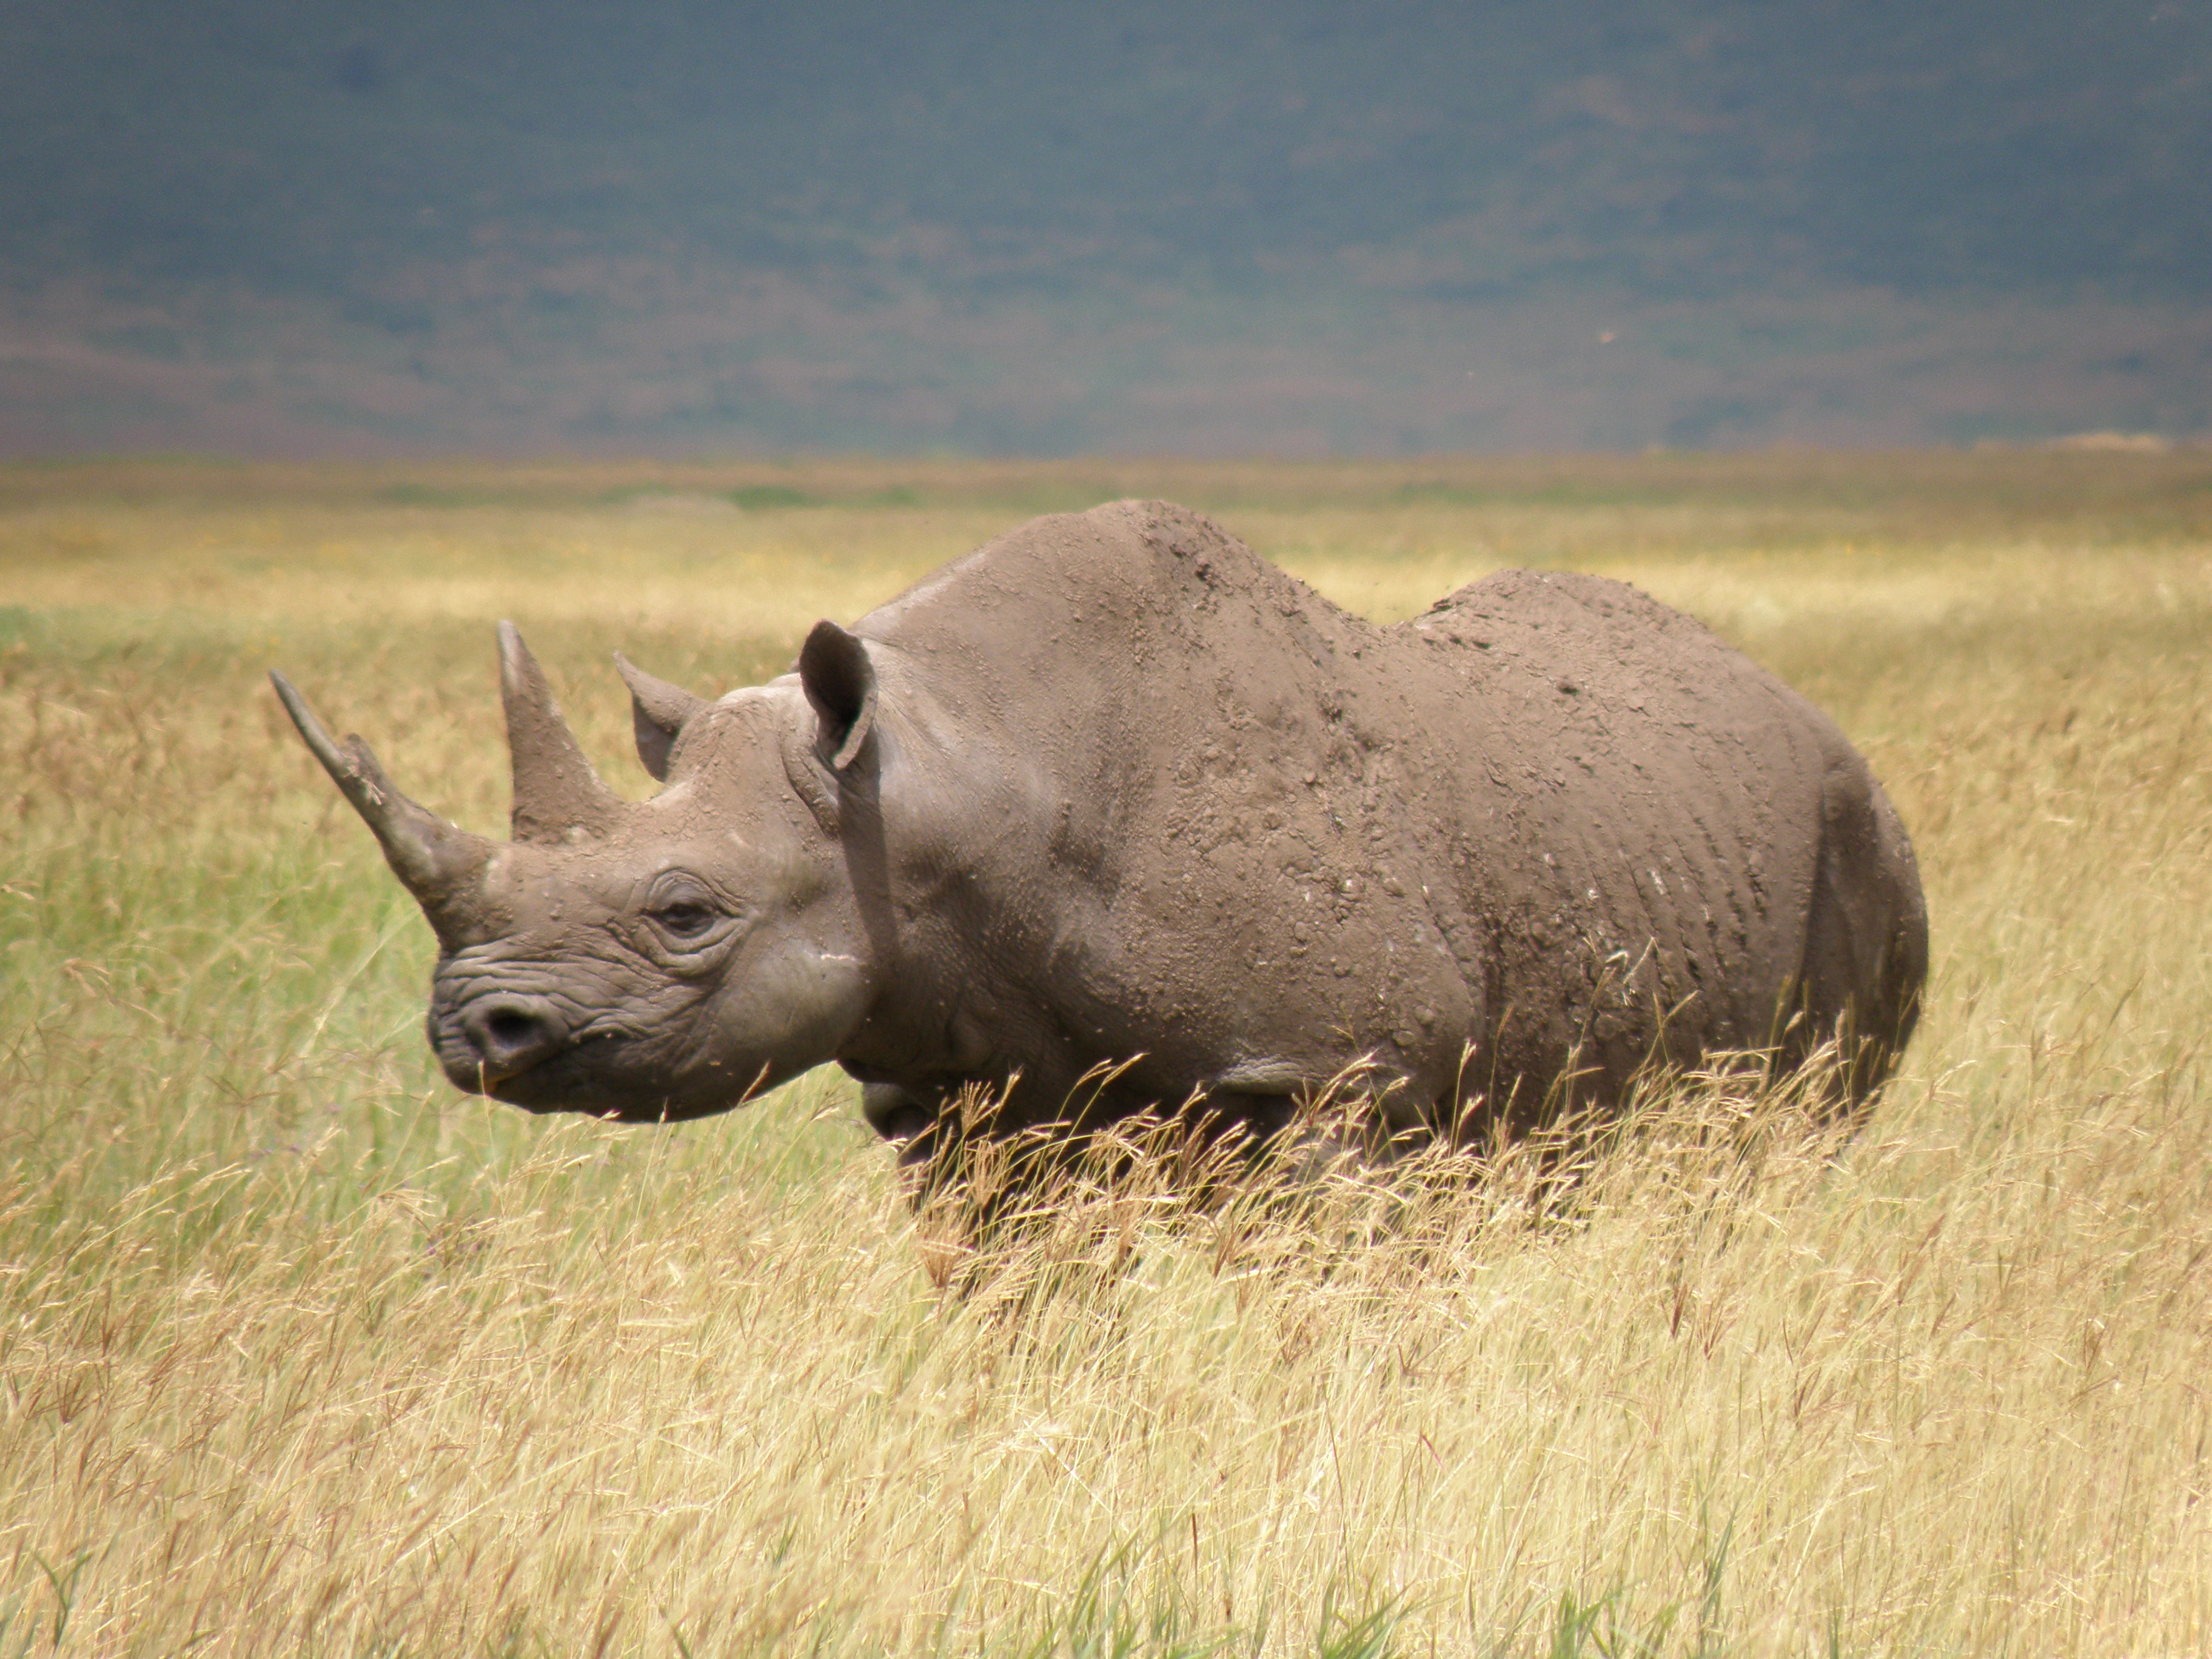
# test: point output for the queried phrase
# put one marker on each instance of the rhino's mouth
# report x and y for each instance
(591, 1078)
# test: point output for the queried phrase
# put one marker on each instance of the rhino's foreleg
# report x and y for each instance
(899, 1116)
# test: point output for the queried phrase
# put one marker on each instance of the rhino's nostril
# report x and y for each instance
(510, 1029)
(512, 1034)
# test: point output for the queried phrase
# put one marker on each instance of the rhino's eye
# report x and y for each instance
(687, 917)
(684, 920)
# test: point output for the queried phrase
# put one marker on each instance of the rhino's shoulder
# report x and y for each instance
(1117, 568)
(1141, 548)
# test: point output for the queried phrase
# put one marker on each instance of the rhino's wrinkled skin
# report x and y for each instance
(1112, 789)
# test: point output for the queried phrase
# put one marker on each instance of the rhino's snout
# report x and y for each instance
(508, 1035)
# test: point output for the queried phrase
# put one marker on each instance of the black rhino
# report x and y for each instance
(1115, 791)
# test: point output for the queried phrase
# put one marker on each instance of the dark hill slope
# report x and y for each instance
(397, 163)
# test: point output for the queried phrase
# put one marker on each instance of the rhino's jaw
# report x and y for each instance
(547, 1034)
(652, 1054)
(568, 1084)
(505, 1055)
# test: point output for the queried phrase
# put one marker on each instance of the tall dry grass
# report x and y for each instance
(300, 1352)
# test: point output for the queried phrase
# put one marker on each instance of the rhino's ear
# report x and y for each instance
(840, 683)
(657, 710)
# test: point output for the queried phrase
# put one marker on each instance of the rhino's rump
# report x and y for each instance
(1652, 878)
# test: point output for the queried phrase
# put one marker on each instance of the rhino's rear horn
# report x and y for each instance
(437, 862)
(556, 793)
(659, 711)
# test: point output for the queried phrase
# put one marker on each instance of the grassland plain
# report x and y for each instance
(301, 1352)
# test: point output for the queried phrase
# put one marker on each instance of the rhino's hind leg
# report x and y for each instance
(1866, 939)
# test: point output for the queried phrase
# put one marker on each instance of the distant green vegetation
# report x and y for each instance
(756, 498)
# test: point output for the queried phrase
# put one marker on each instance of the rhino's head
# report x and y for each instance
(652, 960)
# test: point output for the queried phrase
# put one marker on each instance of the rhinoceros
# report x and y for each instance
(1114, 802)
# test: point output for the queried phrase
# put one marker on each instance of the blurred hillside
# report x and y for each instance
(311, 228)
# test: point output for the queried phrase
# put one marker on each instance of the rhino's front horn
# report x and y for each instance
(438, 862)
(556, 793)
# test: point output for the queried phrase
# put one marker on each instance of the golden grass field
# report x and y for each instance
(300, 1352)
